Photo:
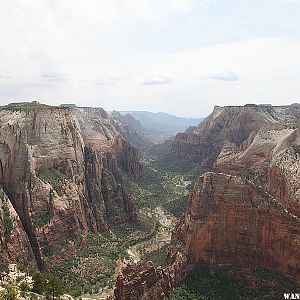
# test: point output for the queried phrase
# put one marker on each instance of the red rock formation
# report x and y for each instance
(270, 159)
(62, 170)
(147, 282)
(251, 222)
(230, 221)
(257, 142)
(235, 124)
(14, 244)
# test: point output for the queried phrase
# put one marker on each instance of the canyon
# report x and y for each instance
(244, 212)
(77, 198)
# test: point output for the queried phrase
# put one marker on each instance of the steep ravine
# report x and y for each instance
(158, 194)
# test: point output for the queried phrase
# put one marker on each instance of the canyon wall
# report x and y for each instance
(14, 244)
(62, 170)
(260, 143)
(231, 221)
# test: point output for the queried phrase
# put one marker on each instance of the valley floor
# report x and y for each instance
(161, 196)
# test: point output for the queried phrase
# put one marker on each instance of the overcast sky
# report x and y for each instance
(177, 56)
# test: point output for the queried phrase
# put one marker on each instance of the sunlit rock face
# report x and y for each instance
(62, 170)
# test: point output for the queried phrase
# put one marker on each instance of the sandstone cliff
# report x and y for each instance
(14, 244)
(257, 142)
(147, 282)
(234, 124)
(62, 170)
(132, 130)
(231, 221)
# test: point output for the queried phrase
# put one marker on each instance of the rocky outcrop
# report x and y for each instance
(231, 221)
(270, 159)
(14, 244)
(234, 124)
(148, 282)
(132, 130)
(62, 170)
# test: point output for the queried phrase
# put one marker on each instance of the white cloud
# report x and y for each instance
(225, 76)
(2, 76)
(156, 79)
(50, 76)
(89, 52)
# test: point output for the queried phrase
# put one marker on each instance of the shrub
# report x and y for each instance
(54, 177)
(10, 293)
(41, 218)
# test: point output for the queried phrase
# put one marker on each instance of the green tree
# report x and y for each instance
(47, 284)
(10, 293)
(39, 283)
(24, 287)
(54, 287)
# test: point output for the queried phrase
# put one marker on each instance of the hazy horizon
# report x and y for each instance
(182, 57)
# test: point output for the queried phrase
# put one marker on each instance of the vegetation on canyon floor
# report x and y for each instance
(167, 179)
(91, 269)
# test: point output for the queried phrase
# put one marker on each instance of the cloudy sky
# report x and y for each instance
(177, 56)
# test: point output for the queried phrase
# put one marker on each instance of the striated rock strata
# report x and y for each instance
(62, 170)
(231, 221)
(148, 282)
(244, 216)
(257, 142)
(13, 240)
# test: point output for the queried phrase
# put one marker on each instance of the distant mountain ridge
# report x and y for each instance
(163, 123)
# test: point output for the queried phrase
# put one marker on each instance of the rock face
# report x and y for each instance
(132, 130)
(257, 142)
(147, 282)
(13, 240)
(231, 221)
(234, 124)
(62, 172)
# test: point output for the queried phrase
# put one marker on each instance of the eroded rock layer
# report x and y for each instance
(231, 221)
(62, 170)
(246, 213)
(257, 142)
